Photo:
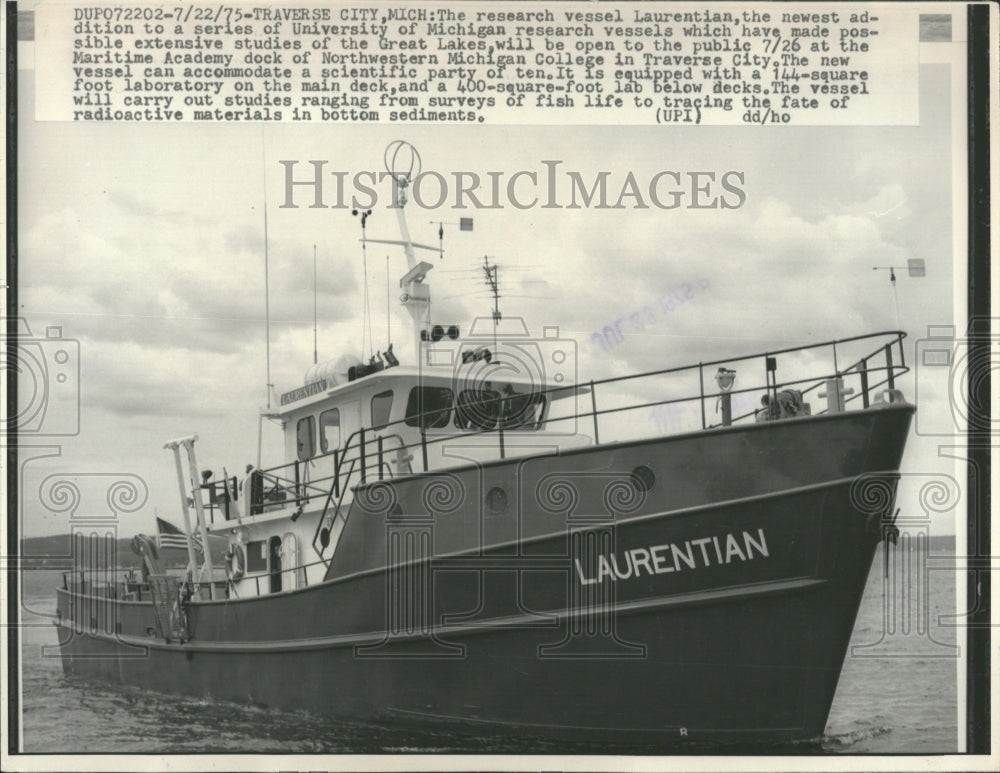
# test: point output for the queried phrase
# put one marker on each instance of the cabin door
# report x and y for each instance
(274, 563)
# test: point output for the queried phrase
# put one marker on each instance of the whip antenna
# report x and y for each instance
(315, 323)
(914, 268)
(267, 285)
(491, 282)
(367, 316)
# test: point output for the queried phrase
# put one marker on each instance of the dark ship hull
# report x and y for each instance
(695, 588)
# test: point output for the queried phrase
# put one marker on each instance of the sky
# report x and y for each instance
(145, 243)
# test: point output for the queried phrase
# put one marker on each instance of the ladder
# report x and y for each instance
(171, 618)
(334, 524)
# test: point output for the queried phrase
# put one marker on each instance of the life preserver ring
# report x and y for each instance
(236, 563)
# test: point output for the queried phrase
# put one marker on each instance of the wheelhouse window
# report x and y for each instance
(257, 556)
(522, 411)
(329, 430)
(381, 407)
(429, 407)
(306, 433)
(477, 409)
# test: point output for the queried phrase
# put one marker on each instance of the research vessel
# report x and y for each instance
(471, 539)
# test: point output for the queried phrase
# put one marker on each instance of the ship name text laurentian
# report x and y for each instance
(676, 557)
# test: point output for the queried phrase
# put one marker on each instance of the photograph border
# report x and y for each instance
(979, 571)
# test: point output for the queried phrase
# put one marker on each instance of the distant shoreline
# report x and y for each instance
(56, 552)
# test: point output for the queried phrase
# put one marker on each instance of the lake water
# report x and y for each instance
(897, 694)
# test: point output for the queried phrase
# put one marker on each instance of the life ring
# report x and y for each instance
(236, 563)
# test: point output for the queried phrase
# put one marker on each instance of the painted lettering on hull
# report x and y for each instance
(677, 557)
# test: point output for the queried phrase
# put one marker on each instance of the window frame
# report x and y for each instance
(256, 563)
(310, 421)
(435, 418)
(324, 446)
(388, 411)
(482, 397)
(535, 403)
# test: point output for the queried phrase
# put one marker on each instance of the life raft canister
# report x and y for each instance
(236, 563)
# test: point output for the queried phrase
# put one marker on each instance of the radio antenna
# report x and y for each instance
(914, 268)
(267, 285)
(315, 322)
(367, 315)
(267, 305)
(491, 282)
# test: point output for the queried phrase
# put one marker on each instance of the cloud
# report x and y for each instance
(159, 272)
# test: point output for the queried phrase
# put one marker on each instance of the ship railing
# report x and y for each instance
(299, 572)
(96, 582)
(291, 484)
(269, 489)
(367, 452)
(871, 378)
(91, 581)
(107, 583)
(866, 367)
(876, 368)
(351, 459)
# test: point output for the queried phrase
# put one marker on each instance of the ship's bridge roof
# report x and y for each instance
(497, 376)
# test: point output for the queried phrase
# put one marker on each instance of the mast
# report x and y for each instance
(402, 162)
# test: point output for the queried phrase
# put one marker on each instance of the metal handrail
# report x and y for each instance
(339, 489)
(816, 381)
(268, 575)
(194, 584)
(358, 441)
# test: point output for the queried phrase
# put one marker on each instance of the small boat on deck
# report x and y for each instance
(470, 540)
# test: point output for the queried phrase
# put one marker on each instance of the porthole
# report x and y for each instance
(324, 537)
(496, 500)
(643, 478)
